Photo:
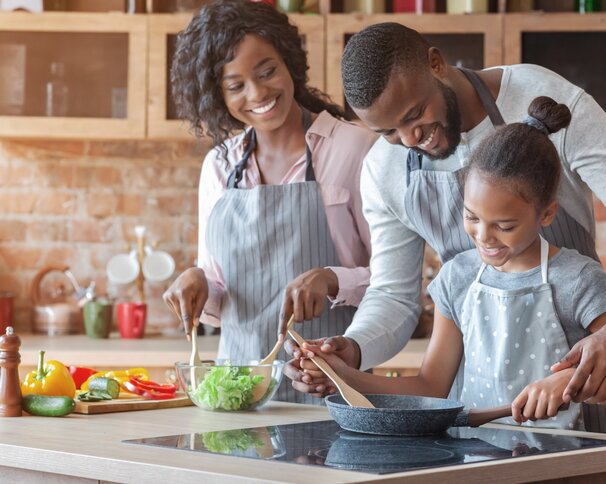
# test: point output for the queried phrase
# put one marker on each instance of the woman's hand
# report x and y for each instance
(541, 399)
(306, 295)
(187, 296)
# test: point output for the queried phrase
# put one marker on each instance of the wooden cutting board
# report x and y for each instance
(128, 404)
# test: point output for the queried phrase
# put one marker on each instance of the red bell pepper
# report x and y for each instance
(152, 385)
(149, 394)
(80, 374)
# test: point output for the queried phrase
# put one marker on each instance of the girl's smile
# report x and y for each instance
(503, 225)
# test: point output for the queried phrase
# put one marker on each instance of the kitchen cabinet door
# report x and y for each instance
(568, 43)
(163, 119)
(72, 75)
(472, 41)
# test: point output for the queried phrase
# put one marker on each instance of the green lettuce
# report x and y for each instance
(226, 388)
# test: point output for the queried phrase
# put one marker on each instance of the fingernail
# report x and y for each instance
(310, 354)
(320, 388)
(296, 354)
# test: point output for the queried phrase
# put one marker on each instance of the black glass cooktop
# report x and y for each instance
(325, 444)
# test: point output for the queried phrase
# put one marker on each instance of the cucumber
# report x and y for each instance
(103, 384)
(47, 406)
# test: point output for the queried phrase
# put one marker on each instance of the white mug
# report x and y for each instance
(123, 268)
(158, 266)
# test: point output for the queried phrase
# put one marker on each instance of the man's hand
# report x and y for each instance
(541, 399)
(588, 382)
(187, 296)
(306, 295)
(305, 376)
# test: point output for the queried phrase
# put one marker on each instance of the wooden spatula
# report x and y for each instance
(351, 396)
(194, 358)
(271, 357)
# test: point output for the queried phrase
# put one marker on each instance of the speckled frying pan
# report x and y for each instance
(409, 415)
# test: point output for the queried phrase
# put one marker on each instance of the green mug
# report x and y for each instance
(97, 319)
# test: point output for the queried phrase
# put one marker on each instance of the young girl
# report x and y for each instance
(513, 306)
(280, 215)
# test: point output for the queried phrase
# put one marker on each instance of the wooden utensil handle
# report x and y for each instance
(475, 418)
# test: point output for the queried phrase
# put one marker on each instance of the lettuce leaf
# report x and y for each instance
(226, 388)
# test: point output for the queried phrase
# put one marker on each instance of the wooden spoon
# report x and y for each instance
(271, 357)
(194, 359)
(353, 397)
(265, 371)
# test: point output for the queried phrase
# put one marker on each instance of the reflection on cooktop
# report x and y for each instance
(326, 444)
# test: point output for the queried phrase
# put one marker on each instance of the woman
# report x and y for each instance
(280, 216)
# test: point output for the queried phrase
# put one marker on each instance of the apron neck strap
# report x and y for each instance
(544, 258)
(250, 142)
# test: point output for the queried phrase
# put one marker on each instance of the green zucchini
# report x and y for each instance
(103, 384)
(47, 406)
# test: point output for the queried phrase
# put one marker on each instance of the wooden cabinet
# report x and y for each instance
(469, 40)
(112, 69)
(72, 75)
(163, 121)
(570, 44)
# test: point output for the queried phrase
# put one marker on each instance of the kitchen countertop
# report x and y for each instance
(91, 448)
(153, 351)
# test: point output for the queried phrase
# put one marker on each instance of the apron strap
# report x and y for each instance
(485, 96)
(251, 143)
(415, 159)
(480, 272)
(544, 258)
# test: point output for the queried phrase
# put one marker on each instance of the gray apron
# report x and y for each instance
(434, 201)
(434, 207)
(511, 338)
(262, 238)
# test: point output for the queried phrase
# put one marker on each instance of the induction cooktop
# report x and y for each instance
(325, 444)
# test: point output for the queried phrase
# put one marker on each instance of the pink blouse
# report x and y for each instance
(337, 149)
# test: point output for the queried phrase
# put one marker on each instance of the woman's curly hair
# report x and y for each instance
(210, 41)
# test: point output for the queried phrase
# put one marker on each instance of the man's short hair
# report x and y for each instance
(373, 54)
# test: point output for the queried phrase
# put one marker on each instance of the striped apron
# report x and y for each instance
(262, 238)
(434, 207)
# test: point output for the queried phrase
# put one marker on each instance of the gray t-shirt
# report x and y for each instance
(578, 284)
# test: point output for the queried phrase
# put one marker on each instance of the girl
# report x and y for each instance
(280, 217)
(513, 306)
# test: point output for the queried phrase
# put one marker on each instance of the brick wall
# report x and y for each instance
(76, 203)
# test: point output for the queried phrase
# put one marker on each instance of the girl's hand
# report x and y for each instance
(541, 399)
(186, 296)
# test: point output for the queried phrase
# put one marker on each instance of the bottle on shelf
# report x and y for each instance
(587, 6)
(56, 91)
(10, 386)
(467, 6)
(416, 6)
(364, 6)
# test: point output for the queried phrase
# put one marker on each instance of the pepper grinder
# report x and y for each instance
(10, 388)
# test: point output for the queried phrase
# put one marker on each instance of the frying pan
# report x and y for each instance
(409, 415)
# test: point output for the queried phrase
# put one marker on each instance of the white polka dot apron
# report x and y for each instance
(511, 338)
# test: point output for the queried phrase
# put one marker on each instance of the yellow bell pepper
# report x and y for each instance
(120, 375)
(52, 379)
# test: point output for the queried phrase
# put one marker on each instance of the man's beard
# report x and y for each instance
(452, 130)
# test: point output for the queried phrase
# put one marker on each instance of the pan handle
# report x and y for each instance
(475, 418)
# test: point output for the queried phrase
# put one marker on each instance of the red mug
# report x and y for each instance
(6, 310)
(131, 319)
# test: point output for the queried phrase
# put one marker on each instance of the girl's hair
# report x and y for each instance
(210, 41)
(522, 157)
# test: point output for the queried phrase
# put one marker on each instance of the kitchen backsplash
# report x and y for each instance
(77, 202)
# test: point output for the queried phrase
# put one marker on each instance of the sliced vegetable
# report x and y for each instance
(80, 374)
(149, 394)
(94, 396)
(152, 385)
(52, 379)
(102, 384)
(119, 375)
(48, 406)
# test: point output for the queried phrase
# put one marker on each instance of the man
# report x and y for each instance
(431, 116)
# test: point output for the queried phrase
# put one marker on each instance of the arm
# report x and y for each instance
(436, 375)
